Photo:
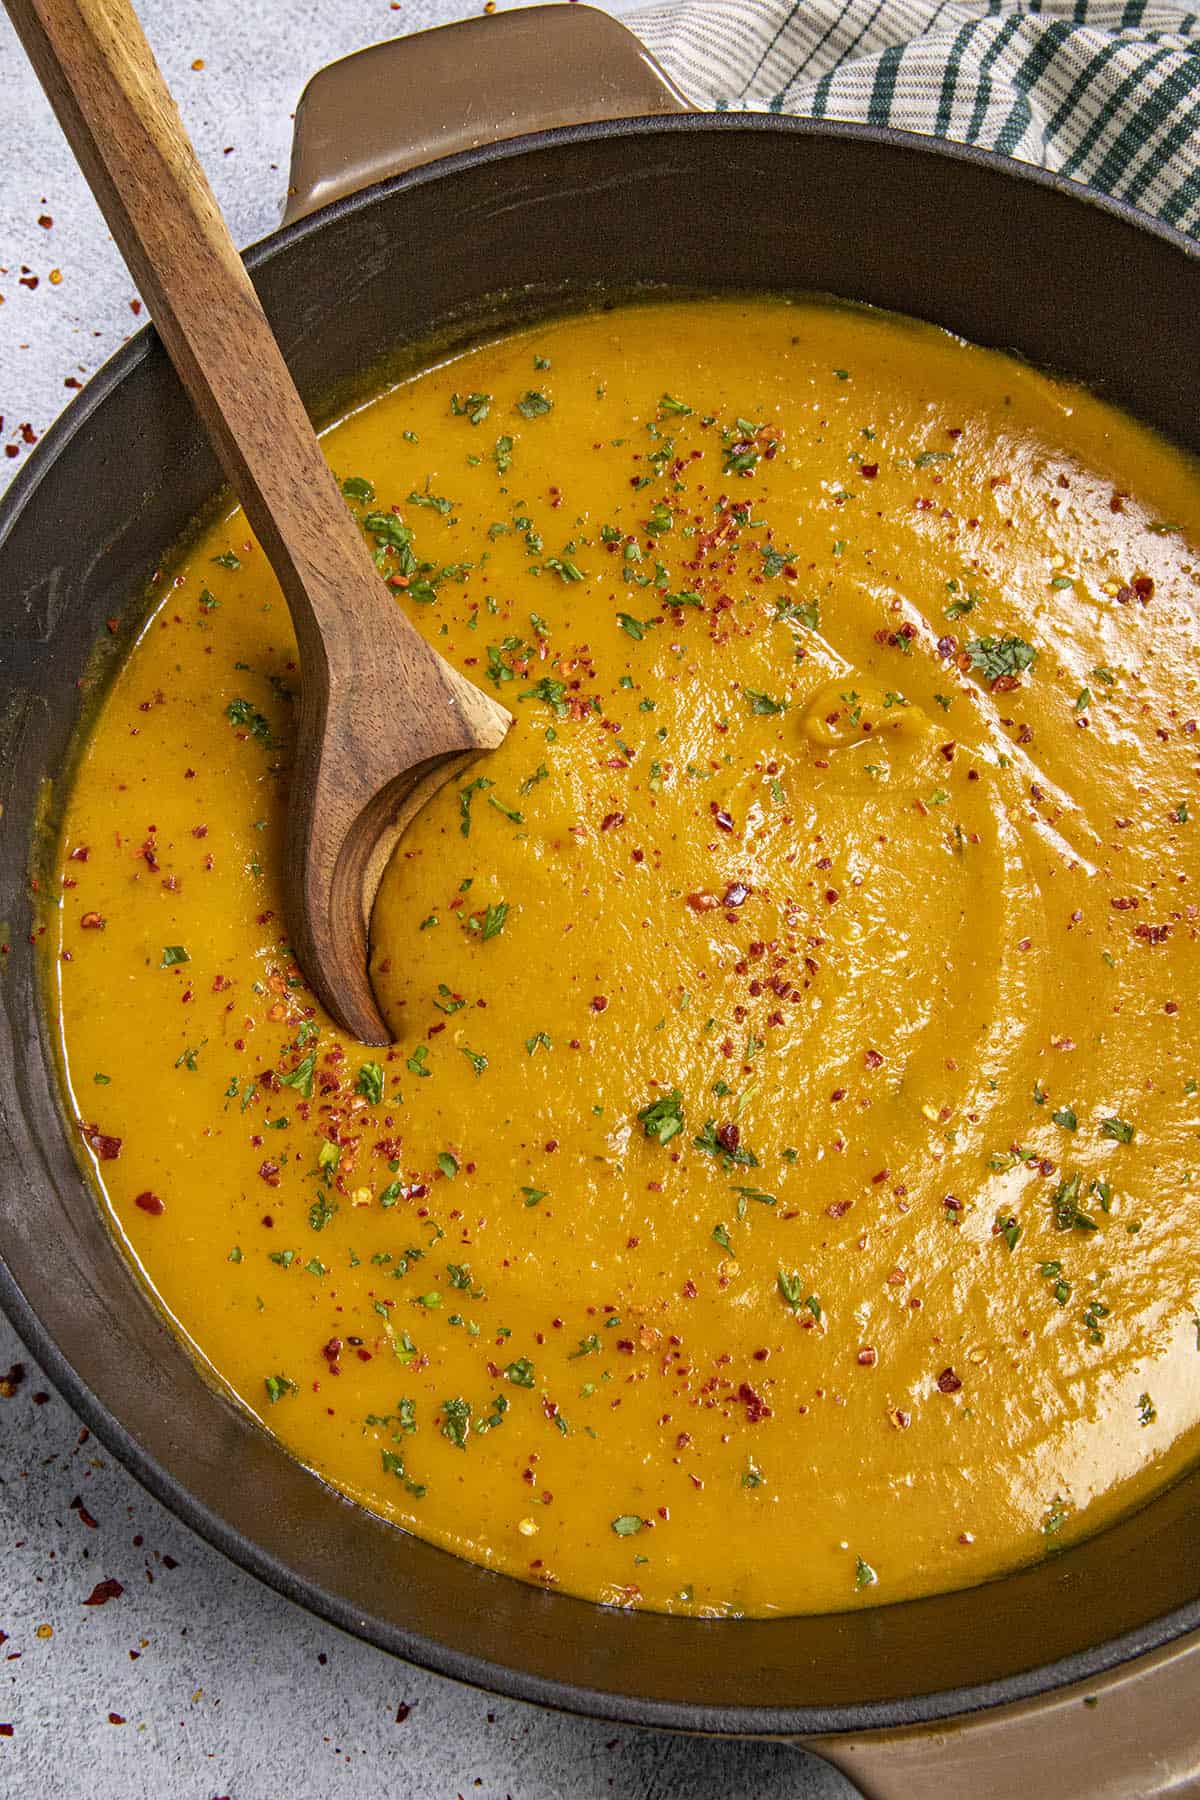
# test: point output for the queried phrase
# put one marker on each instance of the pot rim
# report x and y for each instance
(842, 1719)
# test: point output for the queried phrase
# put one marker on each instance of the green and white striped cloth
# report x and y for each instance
(1106, 93)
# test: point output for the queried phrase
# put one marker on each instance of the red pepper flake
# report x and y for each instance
(103, 1592)
(402, 1712)
(722, 819)
(599, 1003)
(6, 1730)
(948, 1382)
(80, 853)
(149, 1203)
(872, 1060)
(729, 1136)
(85, 1517)
(269, 1172)
(106, 1148)
(736, 894)
(867, 1357)
(831, 896)
(93, 921)
(115, 1719)
(612, 819)
(1124, 904)
(756, 1406)
(703, 902)
(868, 470)
(1152, 934)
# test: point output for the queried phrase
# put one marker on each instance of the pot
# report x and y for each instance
(498, 233)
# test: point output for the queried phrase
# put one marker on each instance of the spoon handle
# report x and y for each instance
(124, 128)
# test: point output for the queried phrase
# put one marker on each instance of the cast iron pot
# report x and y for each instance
(503, 233)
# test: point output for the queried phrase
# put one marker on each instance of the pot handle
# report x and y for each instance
(403, 103)
(1131, 1732)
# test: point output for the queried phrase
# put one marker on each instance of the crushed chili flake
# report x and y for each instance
(103, 1592)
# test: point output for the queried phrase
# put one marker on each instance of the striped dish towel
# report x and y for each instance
(1106, 93)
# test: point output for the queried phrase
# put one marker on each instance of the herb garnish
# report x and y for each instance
(370, 1083)
(533, 405)
(662, 1119)
(997, 657)
(791, 1289)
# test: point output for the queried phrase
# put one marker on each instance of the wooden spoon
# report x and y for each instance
(384, 721)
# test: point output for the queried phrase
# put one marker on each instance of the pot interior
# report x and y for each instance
(489, 239)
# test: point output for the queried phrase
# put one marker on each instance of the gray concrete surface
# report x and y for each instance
(194, 1681)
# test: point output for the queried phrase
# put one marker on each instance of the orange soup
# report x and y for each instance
(781, 1193)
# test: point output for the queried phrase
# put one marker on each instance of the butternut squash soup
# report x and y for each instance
(783, 1192)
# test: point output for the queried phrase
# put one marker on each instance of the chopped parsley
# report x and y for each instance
(727, 1149)
(370, 1083)
(775, 561)
(791, 1289)
(662, 1119)
(491, 923)
(1068, 1215)
(246, 717)
(636, 628)
(456, 1421)
(471, 406)
(996, 657)
(301, 1077)
(321, 1211)
(763, 703)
